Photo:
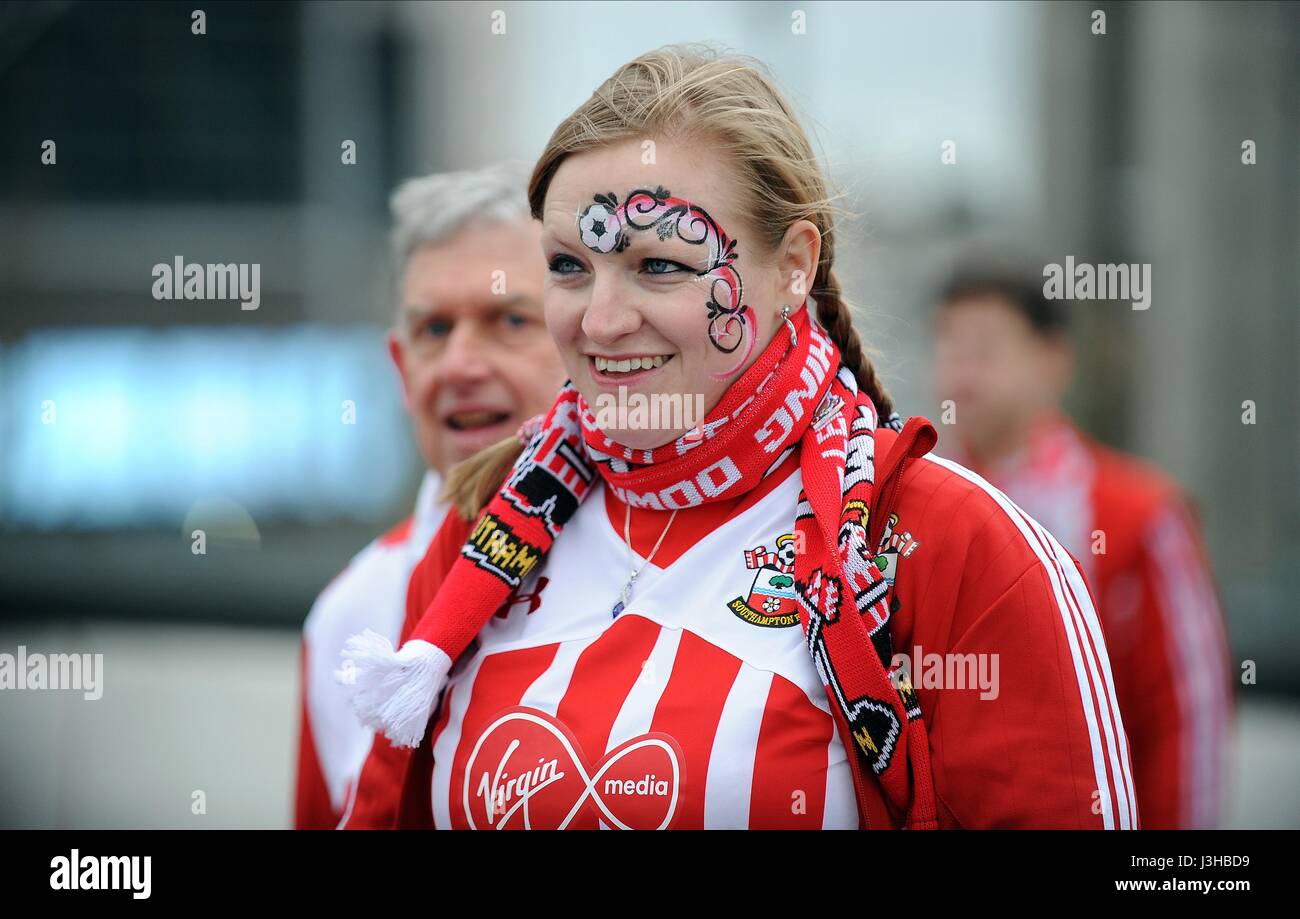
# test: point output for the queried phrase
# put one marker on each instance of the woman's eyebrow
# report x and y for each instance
(553, 229)
(647, 244)
(549, 237)
(673, 247)
(561, 214)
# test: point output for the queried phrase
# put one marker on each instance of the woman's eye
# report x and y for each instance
(565, 264)
(662, 266)
(515, 320)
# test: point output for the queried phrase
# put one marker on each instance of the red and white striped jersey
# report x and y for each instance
(699, 705)
(1136, 540)
(369, 593)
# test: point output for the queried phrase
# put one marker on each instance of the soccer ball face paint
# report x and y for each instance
(605, 226)
(600, 228)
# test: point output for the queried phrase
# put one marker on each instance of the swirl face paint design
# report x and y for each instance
(605, 226)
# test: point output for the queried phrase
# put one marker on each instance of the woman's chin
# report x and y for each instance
(641, 438)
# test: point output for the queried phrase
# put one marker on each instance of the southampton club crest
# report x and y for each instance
(770, 602)
(771, 599)
(893, 546)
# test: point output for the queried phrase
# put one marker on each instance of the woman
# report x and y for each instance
(695, 624)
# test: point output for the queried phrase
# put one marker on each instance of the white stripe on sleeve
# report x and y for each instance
(1088, 651)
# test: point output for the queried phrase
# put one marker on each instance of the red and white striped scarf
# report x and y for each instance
(797, 395)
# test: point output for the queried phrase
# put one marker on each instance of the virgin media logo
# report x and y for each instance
(526, 772)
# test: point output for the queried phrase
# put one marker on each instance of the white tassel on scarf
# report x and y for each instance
(393, 691)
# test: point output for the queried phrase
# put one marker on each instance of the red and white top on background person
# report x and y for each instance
(1142, 552)
(474, 362)
(369, 593)
(1004, 361)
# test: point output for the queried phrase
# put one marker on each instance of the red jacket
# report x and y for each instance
(1142, 552)
(1010, 666)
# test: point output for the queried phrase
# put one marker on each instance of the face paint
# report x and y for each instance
(606, 226)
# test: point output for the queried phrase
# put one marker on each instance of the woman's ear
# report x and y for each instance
(797, 260)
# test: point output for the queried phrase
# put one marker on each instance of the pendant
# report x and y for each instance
(622, 599)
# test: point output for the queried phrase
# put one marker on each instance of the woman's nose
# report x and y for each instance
(611, 313)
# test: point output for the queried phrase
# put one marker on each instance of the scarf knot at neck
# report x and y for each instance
(760, 416)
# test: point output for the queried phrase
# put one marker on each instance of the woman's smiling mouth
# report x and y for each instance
(621, 370)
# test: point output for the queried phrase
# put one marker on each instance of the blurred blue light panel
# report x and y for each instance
(116, 427)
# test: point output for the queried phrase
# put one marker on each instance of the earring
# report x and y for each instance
(785, 314)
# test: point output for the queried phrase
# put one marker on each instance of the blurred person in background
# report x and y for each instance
(475, 361)
(1005, 360)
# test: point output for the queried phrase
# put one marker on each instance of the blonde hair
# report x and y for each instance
(694, 92)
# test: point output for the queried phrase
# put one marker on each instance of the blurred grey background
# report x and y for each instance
(225, 147)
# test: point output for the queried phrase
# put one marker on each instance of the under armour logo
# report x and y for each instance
(533, 599)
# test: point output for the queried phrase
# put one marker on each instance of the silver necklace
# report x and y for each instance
(626, 593)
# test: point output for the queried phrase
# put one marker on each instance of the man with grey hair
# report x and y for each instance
(475, 361)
